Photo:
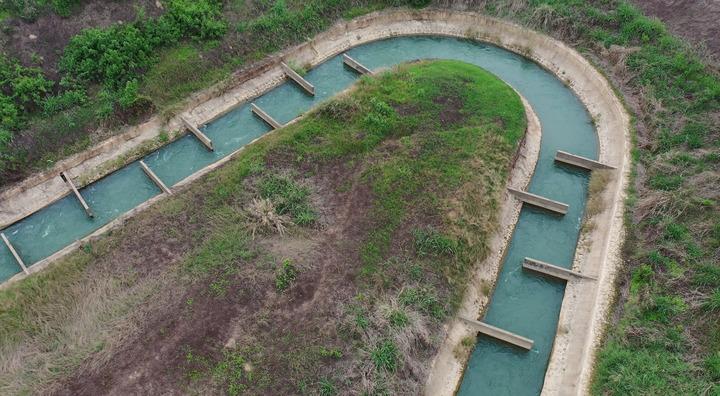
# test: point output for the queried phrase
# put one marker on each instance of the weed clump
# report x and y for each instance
(429, 241)
(289, 198)
(285, 275)
(385, 356)
(264, 217)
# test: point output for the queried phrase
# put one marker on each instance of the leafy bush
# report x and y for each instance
(115, 55)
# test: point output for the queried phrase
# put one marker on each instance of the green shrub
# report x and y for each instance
(385, 356)
(118, 54)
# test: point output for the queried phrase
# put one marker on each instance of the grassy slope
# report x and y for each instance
(665, 336)
(429, 146)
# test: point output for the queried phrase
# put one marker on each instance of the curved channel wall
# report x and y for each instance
(521, 303)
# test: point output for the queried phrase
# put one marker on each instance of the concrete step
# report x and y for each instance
(303, 83)
(542, 202)
(75, 191)
(14, 252)
(552, 270)
(154, 178)
(355, 65)
(581, 162)
(198, 134)
(265, 116)
(500, 334)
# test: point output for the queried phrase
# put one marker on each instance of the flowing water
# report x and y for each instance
(523, 303)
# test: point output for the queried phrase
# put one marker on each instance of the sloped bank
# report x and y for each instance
(595, 93)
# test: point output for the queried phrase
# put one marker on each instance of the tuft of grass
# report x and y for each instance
(430, 242)
(712, 304)
(398, 318)
(285, 275)
(288, 197)
(385, 356)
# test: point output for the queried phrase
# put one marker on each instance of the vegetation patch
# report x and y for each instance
(352, 293)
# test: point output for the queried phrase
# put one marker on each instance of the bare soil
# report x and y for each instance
(41, 42)
(698, 21)
(252, 311)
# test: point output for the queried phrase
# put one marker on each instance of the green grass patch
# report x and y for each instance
(285, 275)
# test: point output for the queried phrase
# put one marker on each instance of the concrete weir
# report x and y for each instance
(14, 253)
(581, 162)
(154, 177)
(75, 191)
(265, 116)
(355, 65)
(293, 75)
(552, 270)
(198, 134)
(541, 202)
(500, 334)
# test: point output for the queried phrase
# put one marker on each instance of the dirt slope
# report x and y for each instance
(695, 20)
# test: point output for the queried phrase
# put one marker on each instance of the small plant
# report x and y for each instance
(326, 387)
(430, 242)
(288, 198)
(464, 347)
(712, 304)
(713, 365)
(398, 318)
(334, 353)
(285, 275)
(385, 356)
(664, 308)
(423, 299)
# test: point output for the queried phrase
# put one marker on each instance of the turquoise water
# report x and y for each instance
(522, 303)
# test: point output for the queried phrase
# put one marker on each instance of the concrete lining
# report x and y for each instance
(355, 65)
(581, 162)
(198, 134)
(541, 202)
(14, 253)
(500, 334)
(75, 191)
(293, 75)
(552, 270)
(154, 178)
(265, 116)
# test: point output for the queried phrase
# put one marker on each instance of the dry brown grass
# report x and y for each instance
(463, 348)
(92, 315)
(596, 201)
(264, 218)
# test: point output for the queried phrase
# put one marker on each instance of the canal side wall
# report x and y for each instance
(574, 348)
